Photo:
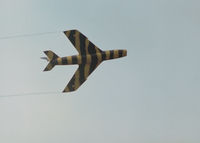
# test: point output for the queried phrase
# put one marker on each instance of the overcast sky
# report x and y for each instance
(150, 96)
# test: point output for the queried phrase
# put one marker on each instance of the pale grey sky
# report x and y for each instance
(150, 96)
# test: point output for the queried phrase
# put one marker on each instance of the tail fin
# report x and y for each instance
(49, 66)
(51, 56)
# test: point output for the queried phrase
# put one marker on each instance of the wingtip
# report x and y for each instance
(64, 91)
(67, 32)
(45, 52)
(44, 58)
(68, 90)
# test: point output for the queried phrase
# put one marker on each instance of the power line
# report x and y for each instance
(28, 35)
(28, 94)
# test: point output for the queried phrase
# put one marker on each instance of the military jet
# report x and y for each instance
(89, 57)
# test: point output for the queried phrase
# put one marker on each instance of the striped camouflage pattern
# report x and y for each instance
(89, 57)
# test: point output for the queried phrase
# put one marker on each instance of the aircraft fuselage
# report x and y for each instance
(88, 58)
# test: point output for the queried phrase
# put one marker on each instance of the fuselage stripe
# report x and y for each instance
(99, 55)
(116, 55)
(69, 59)
(74, 60)
(59, 61)
(111, 54)
(120, 53)
(107, 55)
(64, 61)
(124, 53)
(79, 59)
(103, 55)
(94, 59)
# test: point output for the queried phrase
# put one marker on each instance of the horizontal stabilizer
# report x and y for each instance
(49, 67)
(44, 58)
(51, 56)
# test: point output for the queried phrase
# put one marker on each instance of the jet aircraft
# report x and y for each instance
(89, 57)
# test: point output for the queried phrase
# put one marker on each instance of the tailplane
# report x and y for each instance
(51, 56)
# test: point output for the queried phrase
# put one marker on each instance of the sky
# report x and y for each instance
(150, 96)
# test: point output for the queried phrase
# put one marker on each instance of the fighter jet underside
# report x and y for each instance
(89, 57)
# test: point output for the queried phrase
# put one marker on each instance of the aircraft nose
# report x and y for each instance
(124, 52)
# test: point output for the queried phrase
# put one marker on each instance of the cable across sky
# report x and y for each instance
(29, 94)
(28, 35)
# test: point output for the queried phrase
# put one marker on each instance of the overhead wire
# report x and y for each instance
(29, 94)
(28, 35)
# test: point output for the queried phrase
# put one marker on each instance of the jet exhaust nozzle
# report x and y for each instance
(44, 58)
